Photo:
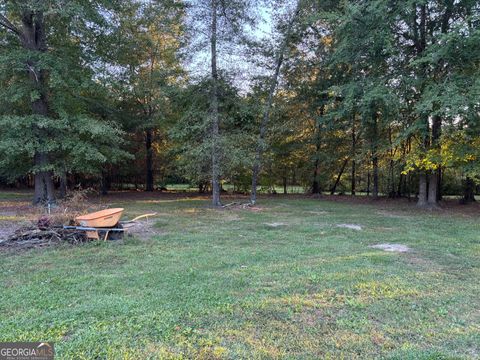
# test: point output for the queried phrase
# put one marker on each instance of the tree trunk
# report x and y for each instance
(375, 176)
(353, 185)
(214, 111)
(44, 189)
(266, 115)
(375, 155)
(401, 186)
(392, 193)
(106, 182)
(285, 185)
(433, 189)
(433, 184)
(149, 159)
(440, 184)
(422, 190)
(423, 178)
(420, 44)
(342, 170)
(408, 185)
(316, 183)
(33, 39)
(468, 191)
(402, 182)
(354, 153)
(368, 184)
(63, 185)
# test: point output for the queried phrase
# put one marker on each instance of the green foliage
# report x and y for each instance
(367, 60)
(361, 81)
(79, 144)
(74, 134)
(192, 138)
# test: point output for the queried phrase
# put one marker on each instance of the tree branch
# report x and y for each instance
(9, 26)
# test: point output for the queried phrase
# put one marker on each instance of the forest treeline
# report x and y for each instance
(371, 96)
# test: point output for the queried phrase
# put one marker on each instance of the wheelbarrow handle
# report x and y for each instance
(138, 218)
(82, 228)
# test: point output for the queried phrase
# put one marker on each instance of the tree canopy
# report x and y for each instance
(378, 97)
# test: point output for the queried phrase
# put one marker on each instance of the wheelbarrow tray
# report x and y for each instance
(101, 219)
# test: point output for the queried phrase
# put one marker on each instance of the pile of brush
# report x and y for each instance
(42, 234)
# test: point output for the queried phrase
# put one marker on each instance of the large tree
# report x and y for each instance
(279, 52)
(191, 146)
(222, 25)
(49, 69)
(147, 71)
(428, 34)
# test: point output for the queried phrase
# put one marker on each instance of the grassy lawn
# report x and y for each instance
(228, 284)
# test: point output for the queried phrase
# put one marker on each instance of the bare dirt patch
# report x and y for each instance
(275, 225)
(391, 214)
(392, 247)
(350, 226)
(232, 216)
(243, 206)
(144, 230)
(317, 212)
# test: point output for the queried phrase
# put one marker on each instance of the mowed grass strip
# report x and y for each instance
(228, 284)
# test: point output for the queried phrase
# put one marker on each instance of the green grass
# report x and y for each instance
(225, 284)
(15, 195)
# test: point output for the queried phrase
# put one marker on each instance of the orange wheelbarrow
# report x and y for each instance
(105, 223)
